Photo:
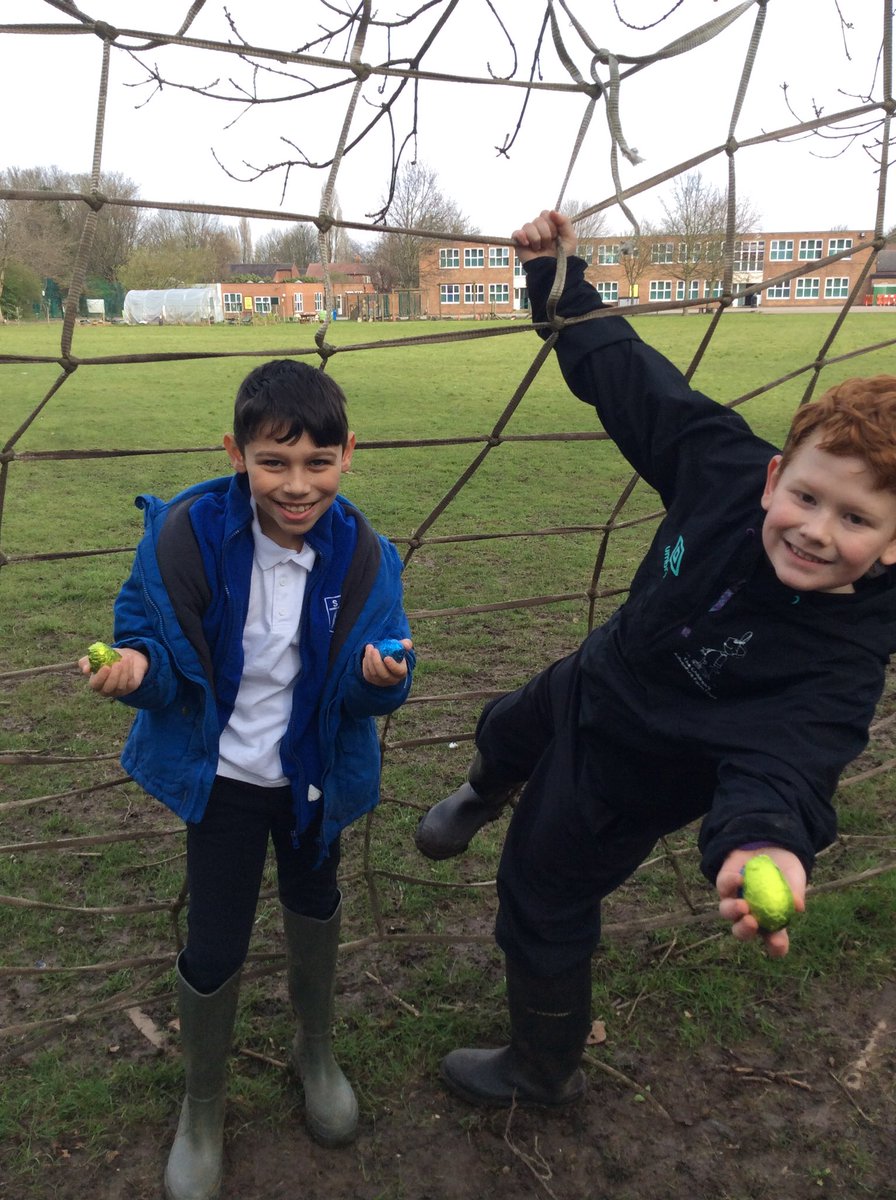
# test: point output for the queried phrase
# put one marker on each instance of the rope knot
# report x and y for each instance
(105, 31)
(362, 71)
(324, 222)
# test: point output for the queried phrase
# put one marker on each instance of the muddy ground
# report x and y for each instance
(725, 1122)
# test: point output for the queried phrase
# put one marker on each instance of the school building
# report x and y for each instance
(480, 281)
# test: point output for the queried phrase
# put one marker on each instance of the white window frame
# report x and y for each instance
(807, 288)
(660, 289)
(780, 250)
(608, 290)
(499, 293)
(836, 287)
(499, 256)
(837, 245)
(662, 252)
(449, 259)
(233, 302)
(474, 258)
(474, 293)
(608, 255)
(810, 249)
(298, 302)
(262, 305)
(586, 250)
(449, 293)
(319, 299)
(778, 291)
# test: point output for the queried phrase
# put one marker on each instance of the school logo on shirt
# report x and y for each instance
(672, 557)
(331, 604)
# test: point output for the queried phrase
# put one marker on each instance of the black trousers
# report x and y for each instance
(226, 853)
(590, 813)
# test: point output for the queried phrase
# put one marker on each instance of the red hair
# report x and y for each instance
(854, 419)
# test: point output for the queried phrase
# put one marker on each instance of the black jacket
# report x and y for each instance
(711, 661)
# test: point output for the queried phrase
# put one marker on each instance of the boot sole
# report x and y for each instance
(517, 1098)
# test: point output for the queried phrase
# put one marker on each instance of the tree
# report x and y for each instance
(180, 249)
(294, 243)
(634, 255)
(244, 233)
(696, 227)
(117, 226)
(592, 226)
(20, 291)
(417, 203)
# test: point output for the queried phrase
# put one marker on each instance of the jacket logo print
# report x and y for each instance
(711, 660)
(331, 603)
(672, 557)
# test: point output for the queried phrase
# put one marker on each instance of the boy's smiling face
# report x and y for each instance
(293, 483)
(826, 524)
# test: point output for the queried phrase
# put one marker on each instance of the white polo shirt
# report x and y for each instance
(250, 744)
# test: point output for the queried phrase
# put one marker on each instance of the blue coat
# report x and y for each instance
(184, 606)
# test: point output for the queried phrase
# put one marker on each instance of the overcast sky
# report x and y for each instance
(164, 140)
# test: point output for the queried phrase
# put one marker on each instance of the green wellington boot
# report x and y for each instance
(311, 951)
(447, 829)
(549, 1022)
(206, 1025)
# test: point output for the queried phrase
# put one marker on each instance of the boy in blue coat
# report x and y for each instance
(247, 632)
(734, 684)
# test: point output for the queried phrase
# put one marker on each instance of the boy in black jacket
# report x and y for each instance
(734, 684)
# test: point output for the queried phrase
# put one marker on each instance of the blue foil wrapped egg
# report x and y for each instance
(390, 648)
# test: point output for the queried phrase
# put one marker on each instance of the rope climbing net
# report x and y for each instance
(72, 806)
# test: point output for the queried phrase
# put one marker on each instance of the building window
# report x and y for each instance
(298, 302)
(233, 302)
(499, 256)
(836, 287)
(608, 292)
(474, 256)
(807, 289)
(450, 258)
(689, 253)
(498, 293)
(713, 290)
(778, 291)
(262, 304)
(749, 256)
(660, 289)
(810, 249)
(662, 252)
(586, 250)
(781, 250)
(838, 245)
(518, 272)
(608, 256)
(318, 302)
(693, 290)
(474, 293)
(449, 293)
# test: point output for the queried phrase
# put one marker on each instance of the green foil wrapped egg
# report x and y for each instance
(100, 655)
(765, 890)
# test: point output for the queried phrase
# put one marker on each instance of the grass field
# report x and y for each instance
(87, 1095)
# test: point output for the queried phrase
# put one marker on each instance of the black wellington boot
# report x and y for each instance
(447, 829)
(549, 1022)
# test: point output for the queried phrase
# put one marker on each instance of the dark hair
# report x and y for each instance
(285, 399)
(854, 419)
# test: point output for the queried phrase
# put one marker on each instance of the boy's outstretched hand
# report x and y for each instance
(384, 672)
(119, 679)
(733, 907)
(539, 236)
